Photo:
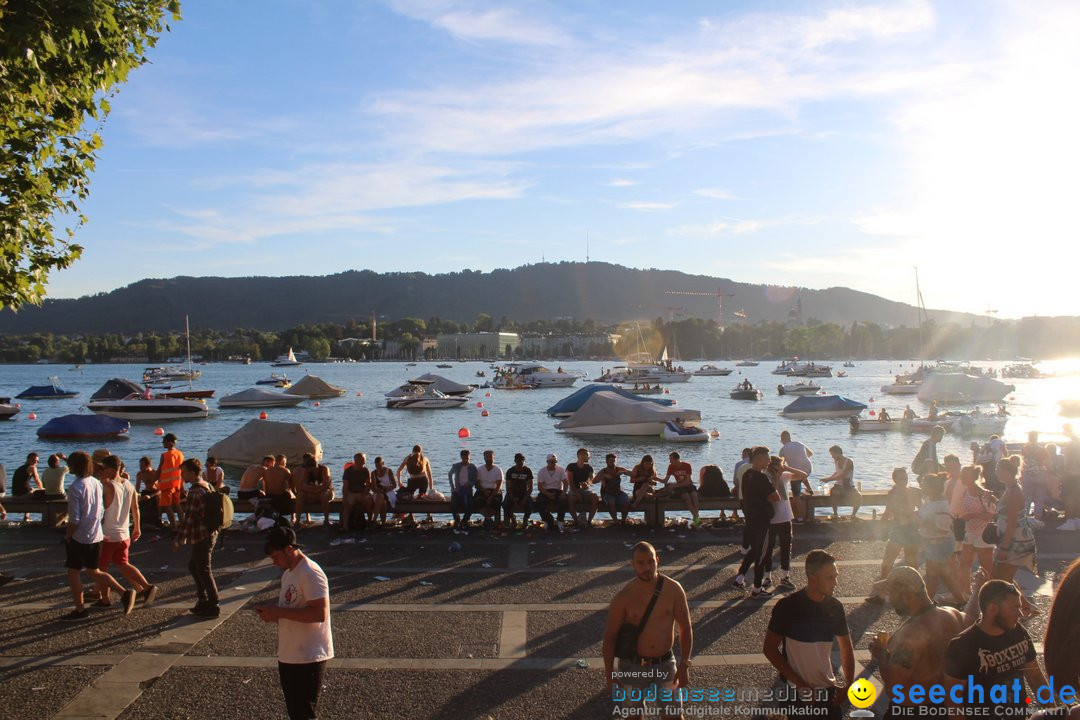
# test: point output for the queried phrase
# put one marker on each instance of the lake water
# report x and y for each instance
(517, 421)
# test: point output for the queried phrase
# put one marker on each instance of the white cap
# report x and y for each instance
(552, 456)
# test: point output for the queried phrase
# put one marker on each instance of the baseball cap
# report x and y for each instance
(552, 456)
(280, 538)
(906, 579)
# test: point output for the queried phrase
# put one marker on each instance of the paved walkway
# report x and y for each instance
(503, 628)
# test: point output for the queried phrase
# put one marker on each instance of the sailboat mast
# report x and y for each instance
(920, 311)
(187, 336)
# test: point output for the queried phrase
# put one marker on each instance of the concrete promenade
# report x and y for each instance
(506, 627)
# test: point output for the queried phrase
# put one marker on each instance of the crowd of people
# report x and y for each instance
(968, 527)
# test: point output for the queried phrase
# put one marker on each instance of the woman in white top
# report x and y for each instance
(386, 485)
(780, 526)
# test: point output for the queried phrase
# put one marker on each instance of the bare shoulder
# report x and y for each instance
(676, 586)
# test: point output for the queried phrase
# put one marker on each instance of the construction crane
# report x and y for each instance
(719, 301)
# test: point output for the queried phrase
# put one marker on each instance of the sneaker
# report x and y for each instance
(76, 616)
(739, 582)
(207, 611)
(785, 582)
(767, 582)
(127, 601)
(149, 595)
(761, 592)
(101, 604)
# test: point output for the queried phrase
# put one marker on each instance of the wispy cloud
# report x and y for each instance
(482, 22)
(716, 193)
(622, 182)
(647, 206)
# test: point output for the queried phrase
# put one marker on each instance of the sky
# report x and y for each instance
(794, 143)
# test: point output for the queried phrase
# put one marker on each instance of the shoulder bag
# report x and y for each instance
(626, 640)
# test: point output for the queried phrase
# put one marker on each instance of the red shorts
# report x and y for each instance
(113, 552)
(169, 497)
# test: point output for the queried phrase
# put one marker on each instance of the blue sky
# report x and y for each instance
(811, 144)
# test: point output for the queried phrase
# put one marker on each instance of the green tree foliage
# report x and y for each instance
(60, 61)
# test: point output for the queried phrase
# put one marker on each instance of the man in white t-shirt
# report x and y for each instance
(551, 485)
(121, 508)
(488, 497)
(302, 613)
(797, 456)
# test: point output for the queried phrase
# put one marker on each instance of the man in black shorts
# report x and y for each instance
(614, 497)
(519, 487)
(83, 538)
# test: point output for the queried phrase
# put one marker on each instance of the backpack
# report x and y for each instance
(918, 464)
(217, 511)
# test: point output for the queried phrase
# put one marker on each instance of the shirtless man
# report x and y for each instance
(653, 660)
(312, 485)
(277, 481)
(915, 653)
(253, 481)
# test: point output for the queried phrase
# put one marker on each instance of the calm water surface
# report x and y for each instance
(517, 421)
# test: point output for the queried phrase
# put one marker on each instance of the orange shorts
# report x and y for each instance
(113, 552)
(169, 496)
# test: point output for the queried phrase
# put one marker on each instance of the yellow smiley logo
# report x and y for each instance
(862, 694)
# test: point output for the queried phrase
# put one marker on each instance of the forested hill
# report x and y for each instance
(601, 291)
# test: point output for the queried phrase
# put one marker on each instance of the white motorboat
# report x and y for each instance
(423, 396)
(276, 380)
(849, 364)
(820, 407)
(925, 425)
(813, 370)
(286, 360)
(135, 408)
(259, 398)
(711, 371)
(531, 374)
(7, 409)
(873, 425)
(170, 373)
(747, 363)
(801, 388)
(902, 387)
(976, 423)
(676, 432)
(786, 367)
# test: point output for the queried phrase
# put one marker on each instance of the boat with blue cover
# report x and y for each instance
(808, 407)
(53, 391)
(69, 427)
(573, 402)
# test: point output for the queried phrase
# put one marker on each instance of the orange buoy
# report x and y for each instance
(487, 394)
(318, 404)
(159, 431)
(359, 394)
(479, 404)
(714, 433)
(263, 415)
(872, 413)
(32, 416)
(464, 433)
(484, 413)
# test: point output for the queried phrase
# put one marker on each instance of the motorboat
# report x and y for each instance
(7, 410)
(926, 425)
(1021, 370)
(675, 432)
(608, 413)
(424, 396)
(168, 374)
(189, 394)
(873, 425)
(573, 402)
(52, 391)
(444, 366)
(849, 364)
(275, 380)
(260, 398)
(813, 370)
(80, 427)
(976, 423)
(902, 387)
(745, 391)
(136, 408)
(800, 388)
(238, 360)
(315, 388)
(711, 371)
(444, 385)
(645, 389)
(963, 388)
(644, 373)
(286, 360)
(747, 363)
(515, 376)
(813, 407)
